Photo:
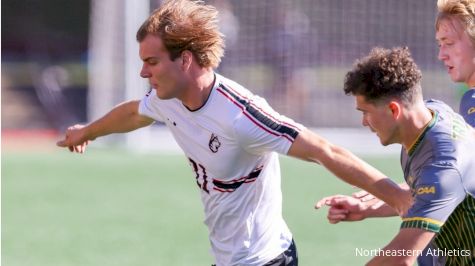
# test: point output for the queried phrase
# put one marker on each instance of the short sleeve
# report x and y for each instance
(260, 129)
(149, 106)
(437, 192)
(467, 107)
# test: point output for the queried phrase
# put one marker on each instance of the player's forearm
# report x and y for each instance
(394, 255)
(349, 168)
(122, 118)
(389, 260)
(404, 248)
(378, 208)
(357, 172)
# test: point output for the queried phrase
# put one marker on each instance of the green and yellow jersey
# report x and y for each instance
(440, 169)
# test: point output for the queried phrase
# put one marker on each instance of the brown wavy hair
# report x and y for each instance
(187, 25)
(460, 10)
(383, 75)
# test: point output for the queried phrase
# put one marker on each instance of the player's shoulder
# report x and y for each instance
(448, 123)
(467, 107)
(232, 89)
(442, 114)
(448, 143)
(439, 142)
(439, 106)
(469, 96)
(248, 104)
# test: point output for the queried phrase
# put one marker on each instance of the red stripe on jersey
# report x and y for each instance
(252, 118)
(246, 114)
(264, 112)
(223, 190)
(232, 185)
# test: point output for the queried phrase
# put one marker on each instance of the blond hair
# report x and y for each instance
(187, 25)
(462, 11)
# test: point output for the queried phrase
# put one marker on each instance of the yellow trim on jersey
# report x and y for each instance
(419, 138)
(432, 221)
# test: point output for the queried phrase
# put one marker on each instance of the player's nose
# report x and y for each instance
(144, 73)
(364, 122)
(442, 55)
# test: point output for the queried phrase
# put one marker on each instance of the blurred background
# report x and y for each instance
(64, 62)
(70, 61)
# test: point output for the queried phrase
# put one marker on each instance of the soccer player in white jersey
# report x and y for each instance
(455, 33)
(231, 137)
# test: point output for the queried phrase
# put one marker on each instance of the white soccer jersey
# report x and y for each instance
(231, 144)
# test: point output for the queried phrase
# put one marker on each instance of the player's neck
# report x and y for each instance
(416, 122)
(201, 83)
(471, 81)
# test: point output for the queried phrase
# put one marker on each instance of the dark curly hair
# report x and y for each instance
(385, 74)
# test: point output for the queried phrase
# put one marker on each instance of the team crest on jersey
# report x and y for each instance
(214, 143)
(471, 110)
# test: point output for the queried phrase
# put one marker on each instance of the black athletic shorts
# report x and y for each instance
(286, 258)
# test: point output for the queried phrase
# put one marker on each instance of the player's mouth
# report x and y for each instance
(449, 68)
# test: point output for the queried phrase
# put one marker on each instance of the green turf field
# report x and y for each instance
(122, 208)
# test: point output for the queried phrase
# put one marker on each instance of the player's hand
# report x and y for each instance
(405, 201)
(343, 208)
(75, 139)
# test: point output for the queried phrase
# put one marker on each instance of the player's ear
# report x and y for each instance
(395, 109)
(186, 60)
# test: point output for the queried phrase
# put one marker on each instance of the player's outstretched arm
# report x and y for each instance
(345, 165)
(122, 118)
(346, 208)
(364, 195)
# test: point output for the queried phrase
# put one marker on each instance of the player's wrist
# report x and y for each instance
(379, 208)
(366, 210)
(399, 199)
(371, 210)
(89, 132)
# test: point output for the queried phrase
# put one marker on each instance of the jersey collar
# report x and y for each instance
(213, 88)
(435, 116)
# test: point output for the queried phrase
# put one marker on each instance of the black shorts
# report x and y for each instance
(286, 258)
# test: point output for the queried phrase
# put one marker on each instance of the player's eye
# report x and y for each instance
(447, 43)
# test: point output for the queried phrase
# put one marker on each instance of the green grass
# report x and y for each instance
(122, 208)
